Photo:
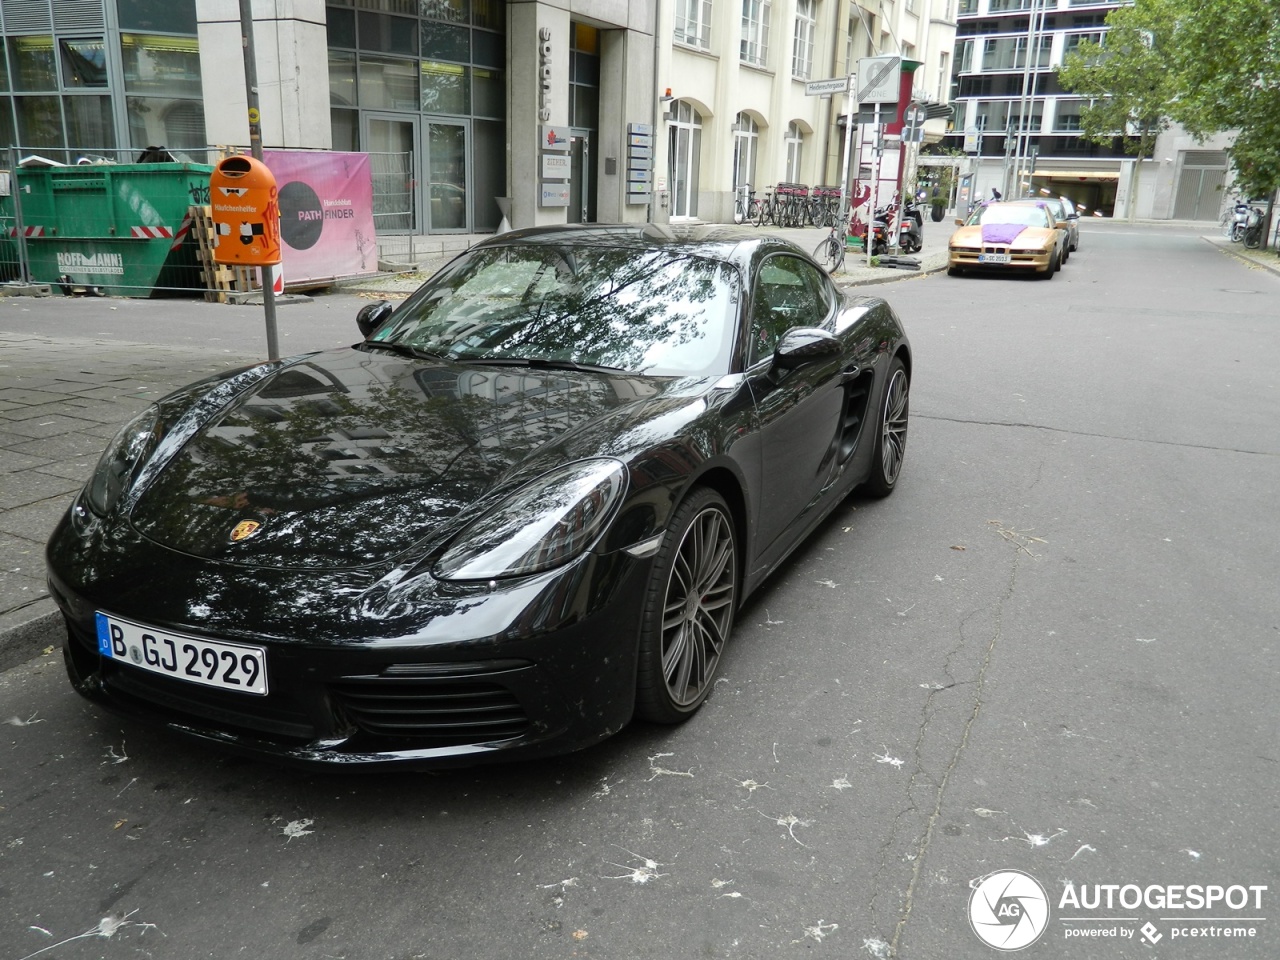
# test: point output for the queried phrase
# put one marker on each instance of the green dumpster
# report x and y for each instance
(120, 228)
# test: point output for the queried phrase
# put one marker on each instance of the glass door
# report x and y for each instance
(448, 176)
(685, 147)
(392, 143)
(582, 197)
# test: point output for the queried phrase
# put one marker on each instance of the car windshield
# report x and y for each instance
(1027, 215)
(653, 311)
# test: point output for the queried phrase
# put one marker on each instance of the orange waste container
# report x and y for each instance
(246, 213)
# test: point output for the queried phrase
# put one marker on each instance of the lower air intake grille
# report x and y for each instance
(432, 712)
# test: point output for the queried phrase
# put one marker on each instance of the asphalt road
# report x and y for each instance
(1054, 649)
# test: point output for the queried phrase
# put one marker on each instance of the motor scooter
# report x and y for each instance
(911, 228)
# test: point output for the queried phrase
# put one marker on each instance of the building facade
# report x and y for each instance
(545, 111)
(1010, 107)
(735, 73)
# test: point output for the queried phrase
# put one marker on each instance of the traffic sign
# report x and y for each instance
(878, 79)
(913, 119)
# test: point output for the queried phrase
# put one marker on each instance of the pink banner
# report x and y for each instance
(326, 214)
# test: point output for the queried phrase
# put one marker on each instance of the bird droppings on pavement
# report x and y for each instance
(663, 771)
(790, 822)
(298, 828)
(647, 871)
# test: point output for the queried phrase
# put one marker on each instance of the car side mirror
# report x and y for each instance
(801, 346)
(371, 317)
(959, 221)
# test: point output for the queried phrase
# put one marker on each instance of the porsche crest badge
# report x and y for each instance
(244, 530)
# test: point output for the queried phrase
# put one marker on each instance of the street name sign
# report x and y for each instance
(824, 88)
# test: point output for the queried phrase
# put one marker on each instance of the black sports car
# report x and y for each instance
(522, 511)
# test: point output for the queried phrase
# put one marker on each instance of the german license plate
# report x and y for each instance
(993, 258)
(211, 663)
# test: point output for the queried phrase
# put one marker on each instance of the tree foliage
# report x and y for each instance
(1212, 66)
(1127, 80)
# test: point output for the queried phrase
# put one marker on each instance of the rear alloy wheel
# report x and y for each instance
(891, 441)
(689, 609)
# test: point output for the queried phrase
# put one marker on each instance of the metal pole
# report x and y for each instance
(255, 146)
(875, 184)
(850, 105)
(20, 231)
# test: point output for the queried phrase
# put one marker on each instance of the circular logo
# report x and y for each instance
(301, 215)
(1008, 909)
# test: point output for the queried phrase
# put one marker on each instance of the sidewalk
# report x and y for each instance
(856, 272)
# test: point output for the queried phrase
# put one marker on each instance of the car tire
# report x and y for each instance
(688, 610)
(954, 272)
(891, 433)
(1054, 266)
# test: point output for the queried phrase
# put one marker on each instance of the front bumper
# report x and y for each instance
(967, 258)
(558, 675)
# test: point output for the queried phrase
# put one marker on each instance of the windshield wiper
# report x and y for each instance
(403, 349)
(543, 363)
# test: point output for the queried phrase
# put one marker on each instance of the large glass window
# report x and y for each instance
(584, 77)
(755, 32)
(693, 23)
(89, 123)
(39, 122)
(446, 88)
(178, 124)
(1010, 53)
(84, 62)
(33, 62)
(342, 79)
(380, 33)
(802, 42)
(168, 65)
(387, 84)
(161, 16)
(444, 41)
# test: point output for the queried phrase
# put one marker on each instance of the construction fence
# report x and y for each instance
(137, 223)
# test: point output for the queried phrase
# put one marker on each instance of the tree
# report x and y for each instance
(1228, 61)
(1212, 66)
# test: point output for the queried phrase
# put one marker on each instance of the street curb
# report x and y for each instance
(1244, 257)
(19, 644)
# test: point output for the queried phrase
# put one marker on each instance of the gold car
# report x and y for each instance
(1018, 237)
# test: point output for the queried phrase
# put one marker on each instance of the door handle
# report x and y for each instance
(850, 373)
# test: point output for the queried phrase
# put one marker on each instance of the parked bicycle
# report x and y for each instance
(830, 252)
(746, 207)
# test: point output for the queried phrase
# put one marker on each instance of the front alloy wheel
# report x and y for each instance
(689, 609)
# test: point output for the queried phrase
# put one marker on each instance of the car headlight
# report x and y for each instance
(121, 460)
(544, 524)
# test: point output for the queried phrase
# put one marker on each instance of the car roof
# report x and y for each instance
(730, 243)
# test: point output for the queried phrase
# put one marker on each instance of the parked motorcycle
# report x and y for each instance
(911, 228)
(1239, 221)
(1252, 235)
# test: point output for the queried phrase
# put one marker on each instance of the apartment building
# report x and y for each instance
(1010, 106)
(735, 73)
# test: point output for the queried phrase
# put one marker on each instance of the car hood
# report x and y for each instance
(1030, 238)
(349, 458)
